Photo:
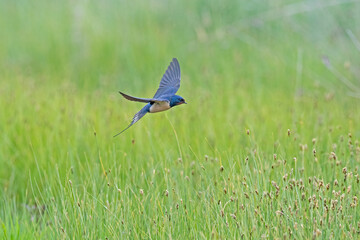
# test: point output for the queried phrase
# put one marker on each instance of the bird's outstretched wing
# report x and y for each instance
(170, 82)
(145, 100)
(137, 117)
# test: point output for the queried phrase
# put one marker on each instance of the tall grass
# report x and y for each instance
(268, 146)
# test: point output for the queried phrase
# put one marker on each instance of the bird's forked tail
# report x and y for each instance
(137, 117)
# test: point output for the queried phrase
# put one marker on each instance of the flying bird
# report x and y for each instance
(164, 97)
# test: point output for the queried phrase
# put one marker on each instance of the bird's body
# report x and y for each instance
(159, 107)
(164, 98)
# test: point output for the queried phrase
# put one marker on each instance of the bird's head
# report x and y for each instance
(176, 100)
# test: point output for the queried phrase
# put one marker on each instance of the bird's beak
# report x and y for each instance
(181, 103)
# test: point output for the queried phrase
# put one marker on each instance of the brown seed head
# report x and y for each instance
(278, 212)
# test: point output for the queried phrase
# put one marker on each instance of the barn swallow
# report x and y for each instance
(164, 98)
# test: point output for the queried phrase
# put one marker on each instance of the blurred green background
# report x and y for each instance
(246, 65)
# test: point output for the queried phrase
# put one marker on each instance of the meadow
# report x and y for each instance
(266, 148)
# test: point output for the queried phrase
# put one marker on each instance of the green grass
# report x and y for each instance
(223, 166)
